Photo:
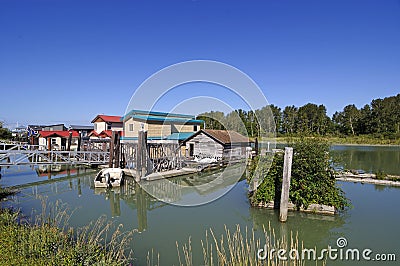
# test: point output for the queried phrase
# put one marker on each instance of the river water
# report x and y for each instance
(372, 222)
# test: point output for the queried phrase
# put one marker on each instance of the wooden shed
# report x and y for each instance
(218, 144)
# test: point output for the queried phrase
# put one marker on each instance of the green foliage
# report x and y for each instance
(271, 185)
(5, 192)
(379, 120)
(312, 179)
(381, 175)
(43, 242)
(5, 133)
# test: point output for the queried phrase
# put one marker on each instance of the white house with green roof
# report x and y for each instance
(161, 127)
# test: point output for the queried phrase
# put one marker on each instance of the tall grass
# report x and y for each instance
(240, 248)
(46, 239)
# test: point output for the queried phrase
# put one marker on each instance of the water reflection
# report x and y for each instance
(313, 229)
(371, 159)
(137, 198)
(162, 225)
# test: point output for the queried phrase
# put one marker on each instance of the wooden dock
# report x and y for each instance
(163, 175)
(36, 157)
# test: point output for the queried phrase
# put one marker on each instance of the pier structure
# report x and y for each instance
(24, 154)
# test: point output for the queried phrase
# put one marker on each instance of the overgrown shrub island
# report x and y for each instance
(312, 178)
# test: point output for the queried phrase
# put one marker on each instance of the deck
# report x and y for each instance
(22, 154)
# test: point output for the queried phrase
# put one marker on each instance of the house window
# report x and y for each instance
(194, 128)
(53, 141)
(108, 126)
(131, 127)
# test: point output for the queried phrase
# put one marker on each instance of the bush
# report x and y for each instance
(380, 175)
(312, 179)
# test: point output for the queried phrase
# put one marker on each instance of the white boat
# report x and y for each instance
(109, 177)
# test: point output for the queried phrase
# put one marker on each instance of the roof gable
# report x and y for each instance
(58, 133)
(107, 119)
(224, 137)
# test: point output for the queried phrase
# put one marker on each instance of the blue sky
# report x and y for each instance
(66, 61)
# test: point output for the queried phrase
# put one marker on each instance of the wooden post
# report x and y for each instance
(138, 157)
(69, 141)
(111, 161)
(79, 141)
(141, 156)
(49, 144)
(117, 149)
(287, 171)
(256, 146)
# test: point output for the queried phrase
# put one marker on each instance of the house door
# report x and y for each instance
(191, 149)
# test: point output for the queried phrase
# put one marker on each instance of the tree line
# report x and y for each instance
(380, 119)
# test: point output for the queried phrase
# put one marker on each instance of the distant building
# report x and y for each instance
(58, 140)
(56, 127)
(20, 133)
(217, 144)
(161, 127)
(33, 131)
(82, 130)
(107, 122)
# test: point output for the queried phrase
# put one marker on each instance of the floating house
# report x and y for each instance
(33, 131)
(107, 122)
(58, 140)
(56, 127)
(161, 127)
(83, 131)
(217, 144)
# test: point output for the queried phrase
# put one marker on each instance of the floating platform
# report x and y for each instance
(165, 174)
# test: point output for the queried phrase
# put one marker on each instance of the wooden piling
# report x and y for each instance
(256, 146)
(287, 171)
(111, 161)
(79, 141)
(142, 157)
(117, 149)
(49, 144)
(69, 141)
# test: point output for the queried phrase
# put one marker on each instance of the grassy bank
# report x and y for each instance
(354, 140)
(47, 240)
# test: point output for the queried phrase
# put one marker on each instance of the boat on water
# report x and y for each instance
(109, 177)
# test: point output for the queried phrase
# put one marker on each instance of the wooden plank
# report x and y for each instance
(69, 141)
(287, 171)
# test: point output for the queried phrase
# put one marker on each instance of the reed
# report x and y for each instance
(240, 248)
(46, 239)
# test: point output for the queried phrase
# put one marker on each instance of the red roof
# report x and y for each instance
(108, 118)
(102, 134)
(58, 133)
(106, 133)
(93, 133)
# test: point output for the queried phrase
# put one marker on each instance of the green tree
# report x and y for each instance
(348, 120)
(289, 119)
(277, 113)
(5, 133)
(312, 119)
(213, 120)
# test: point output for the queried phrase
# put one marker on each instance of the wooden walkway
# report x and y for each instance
(36, 157)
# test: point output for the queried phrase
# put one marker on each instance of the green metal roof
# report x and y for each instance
(167, 119)
(152, 113)
(180, 136)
